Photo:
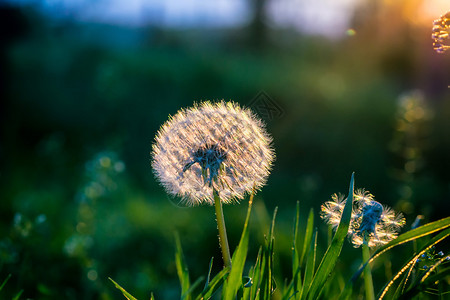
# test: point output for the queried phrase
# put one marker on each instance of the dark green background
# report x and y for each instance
(79, 99)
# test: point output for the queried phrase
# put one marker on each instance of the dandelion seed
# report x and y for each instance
(441, 33)
(212, 146)
(370, 217)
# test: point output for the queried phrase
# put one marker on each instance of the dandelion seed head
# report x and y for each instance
(381, 223)
(440, 33)
(211, 146)
(331, 211)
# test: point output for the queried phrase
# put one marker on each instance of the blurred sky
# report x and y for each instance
(325, 17)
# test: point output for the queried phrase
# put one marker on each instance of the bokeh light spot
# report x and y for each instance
(92, 275)
(350, 32)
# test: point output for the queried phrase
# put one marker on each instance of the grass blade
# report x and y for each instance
(437, 239)
(254, 289)
(429, 281)
(267, 262)
(214, 285)
(234, 280)
(296, 283)
(308, 235)
(209, 273)
(182, 269)
(296, 278)
(412, 235)
(333, 251)
(5, 281)
(194, 285)
(17, 296)
(310, 263)
(124, 292)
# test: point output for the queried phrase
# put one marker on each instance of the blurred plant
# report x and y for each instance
(17, 296)
(441, 33)
(213, 153)
(100, 174)
(101, 182)
(410, 141)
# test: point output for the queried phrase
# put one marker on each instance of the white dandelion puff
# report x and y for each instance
(380, 223)
(212, 146)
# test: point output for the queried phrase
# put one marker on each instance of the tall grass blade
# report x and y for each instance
(423, 285)
(310, 263)
(333, 251)
(5, 281)
(296, 283)
(435, 240)
(234, 280)
(255, 288)
(17, 296)
(406, 237)
(267, 286)
(412, 235)
(214, 285)
(182, 269)
(209, 274)
(308, 234)
(124, 292)
(194, 286)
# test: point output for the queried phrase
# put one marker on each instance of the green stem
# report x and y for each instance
(223, 240)
(368, 283)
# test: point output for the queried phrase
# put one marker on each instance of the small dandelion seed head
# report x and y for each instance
(381, 223)
(331, 211)
(212, 146)
(440, 33)
(363, 196)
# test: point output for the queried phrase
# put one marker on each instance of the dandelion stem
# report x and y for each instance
(223, 240)
(368, 283)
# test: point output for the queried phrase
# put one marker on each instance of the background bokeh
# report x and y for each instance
(343, 86)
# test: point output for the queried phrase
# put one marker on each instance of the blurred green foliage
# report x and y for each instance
(81, 104)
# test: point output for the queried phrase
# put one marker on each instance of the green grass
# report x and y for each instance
(257, 281)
